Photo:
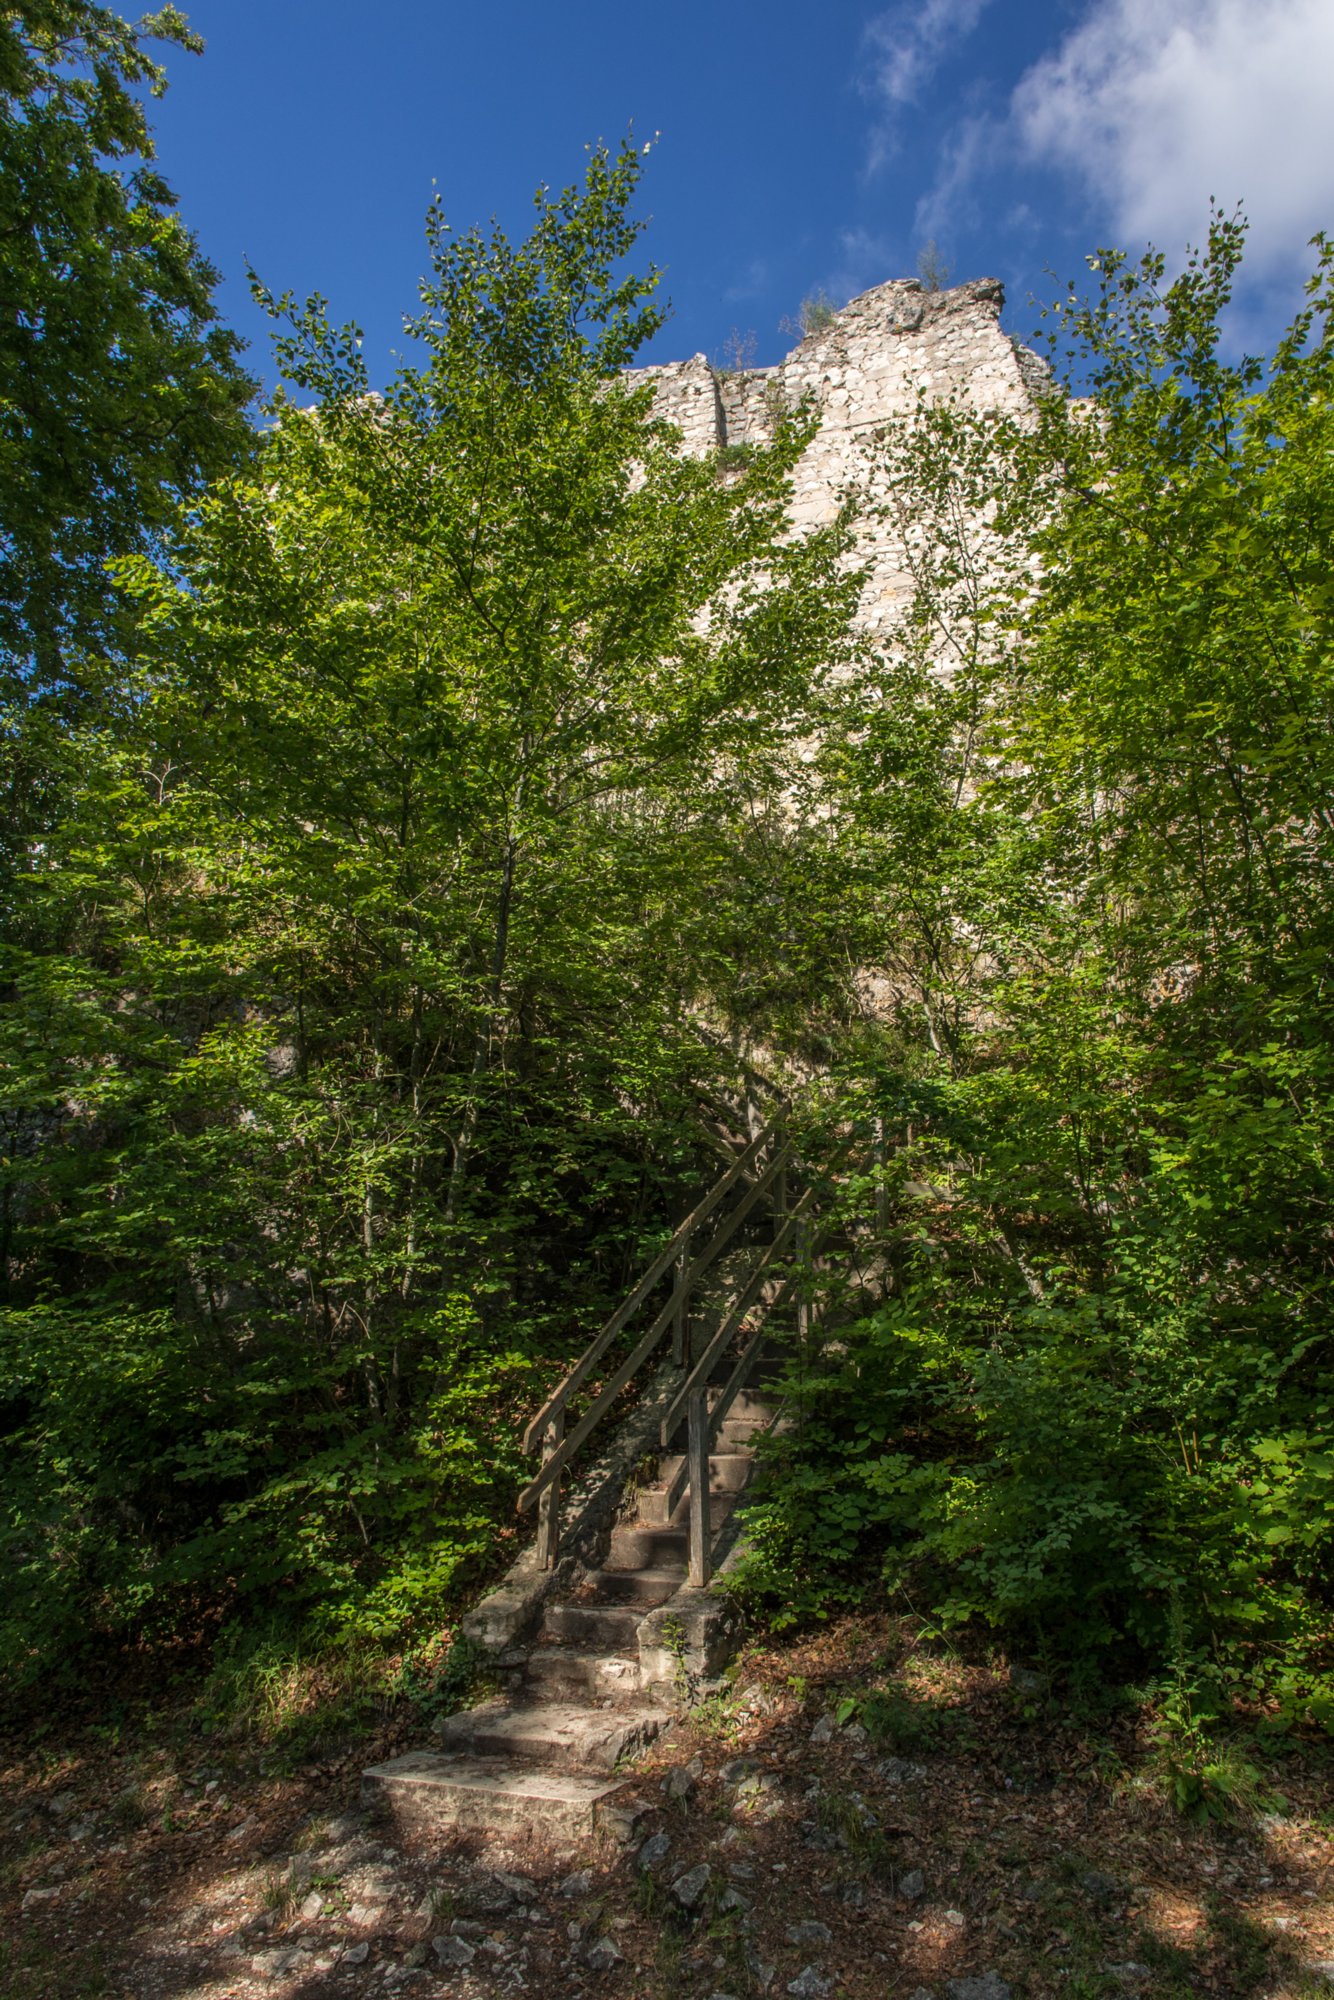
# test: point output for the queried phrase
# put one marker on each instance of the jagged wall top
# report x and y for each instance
(868, 365)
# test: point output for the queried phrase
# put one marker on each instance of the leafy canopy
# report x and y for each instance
(1080, 824)
(371, 1069)
(119, 391)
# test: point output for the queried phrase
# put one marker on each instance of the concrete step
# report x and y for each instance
(428, 1790)
(728, 1474)
(558, 1735)
(738, 1434)
(569, 1673)
(748, 1410)
(645, 1587)
(610, 1628)
(728, 1471)
(653, 1509)
(636, 1547)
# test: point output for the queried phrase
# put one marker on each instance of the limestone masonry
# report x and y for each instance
(866, 367)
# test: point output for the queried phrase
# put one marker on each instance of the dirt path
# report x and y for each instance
(981, 1845)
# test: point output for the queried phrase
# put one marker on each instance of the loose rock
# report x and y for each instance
(273, 1964)
(655, 1849)
(810, 1984)
(899, 1771)
(688, 1889)
(577, 1885)
(601, 1957)
(809, 1933)
(453, 1951)
(1024, 1681)
(519, 1888)
(983, 1986)
(680, 1782)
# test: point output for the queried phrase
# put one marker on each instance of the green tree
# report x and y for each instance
(373, 1067)
(1084, 828)
(120, 393)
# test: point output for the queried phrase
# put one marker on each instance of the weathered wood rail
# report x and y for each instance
(760, 1174)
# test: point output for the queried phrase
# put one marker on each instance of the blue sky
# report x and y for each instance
(800, 148)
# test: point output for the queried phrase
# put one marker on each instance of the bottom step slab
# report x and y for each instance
(428, 1790)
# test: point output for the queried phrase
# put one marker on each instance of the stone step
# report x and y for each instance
(747, 1411)
(728, 1474)
(558, 1735)
(652, 1515)
(556, 1673)
(653, 1509)
(728, 1471)
(645, 1587)
(428, 1790)
(738, 1435)
(634, 1546)
(612, 1628)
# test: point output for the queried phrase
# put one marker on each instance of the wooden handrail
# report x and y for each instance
(568, 1445)
(740, 1375)
(761, 1169)
(736, 1312)
(602, 1340)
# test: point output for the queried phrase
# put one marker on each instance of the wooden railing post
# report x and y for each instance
(548, 1514)
(803, 1262)
(681, 1300)
(881, 1190)
(697, 1457)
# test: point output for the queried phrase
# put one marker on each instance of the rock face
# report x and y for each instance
(868, 366)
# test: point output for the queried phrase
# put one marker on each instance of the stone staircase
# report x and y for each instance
(607, 1621)
(600, 1680)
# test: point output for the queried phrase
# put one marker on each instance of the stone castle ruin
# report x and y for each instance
(866, 368)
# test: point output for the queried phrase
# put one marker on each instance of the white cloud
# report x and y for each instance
(1159, 104)
(864, 258)
(965, 157)
(906, 46)
(753, 280)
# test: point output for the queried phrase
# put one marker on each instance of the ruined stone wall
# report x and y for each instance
(866, 367)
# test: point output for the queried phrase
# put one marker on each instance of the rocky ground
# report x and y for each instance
(974, 1844)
